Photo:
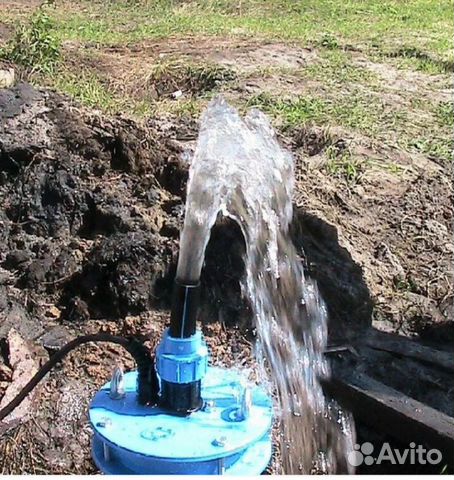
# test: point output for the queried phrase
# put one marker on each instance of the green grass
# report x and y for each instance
(434, 146)
(344, 165)
(35, 45)
(291, 111)
(199, 82)
(444, 112)
(365, 113)
(90, 90)
(423, 24)
(310, 20)
(188, 107)
(415, 58)
(337, 67)
(86, 88)
(356, 110)
(337, 89)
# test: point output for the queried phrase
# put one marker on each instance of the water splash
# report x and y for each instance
(240, 169)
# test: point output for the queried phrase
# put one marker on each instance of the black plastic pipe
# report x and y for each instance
(185, 305)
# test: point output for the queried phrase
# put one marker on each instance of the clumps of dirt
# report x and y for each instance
(422, 267)
(394, 219)
(18, 310)
(69, 182)
(92, 208)
(340, 279)
(6, 375)
(118, 274)
(311, 140)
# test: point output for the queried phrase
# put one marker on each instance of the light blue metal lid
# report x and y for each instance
(210, 433)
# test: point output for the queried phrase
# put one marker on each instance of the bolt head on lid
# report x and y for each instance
(219, 441)
(117, 384)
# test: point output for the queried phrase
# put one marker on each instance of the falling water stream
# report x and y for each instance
(240, 170)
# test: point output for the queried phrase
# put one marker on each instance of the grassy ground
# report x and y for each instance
(377, 25)
(380, 69)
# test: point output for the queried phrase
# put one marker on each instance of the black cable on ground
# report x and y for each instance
(147, 383)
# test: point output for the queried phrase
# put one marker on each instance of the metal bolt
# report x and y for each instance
(106, 452)
(219, 441)
(208, 406)
(117, 384)
(104, 423)
(221, 466)
(244, 403)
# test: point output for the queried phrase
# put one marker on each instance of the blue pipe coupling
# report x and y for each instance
(182, 360)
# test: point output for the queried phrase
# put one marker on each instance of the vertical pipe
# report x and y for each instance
(183, 398)
(184, 309)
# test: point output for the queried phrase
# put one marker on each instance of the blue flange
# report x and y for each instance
(221, 438)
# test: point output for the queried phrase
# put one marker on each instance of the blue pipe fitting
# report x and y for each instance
(182, 360)
(181, 363)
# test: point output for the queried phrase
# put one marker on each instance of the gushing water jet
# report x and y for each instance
(202, 419)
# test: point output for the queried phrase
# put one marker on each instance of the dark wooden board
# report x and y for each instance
(394, 413)
(405, 347)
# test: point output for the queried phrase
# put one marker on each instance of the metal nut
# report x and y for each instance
(208, 406)
(104, 423)
(219, 441)
(245, 403)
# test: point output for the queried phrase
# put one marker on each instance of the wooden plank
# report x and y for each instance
(408, 348)
(392, 412)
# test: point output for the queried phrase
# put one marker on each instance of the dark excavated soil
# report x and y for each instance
(91, 213)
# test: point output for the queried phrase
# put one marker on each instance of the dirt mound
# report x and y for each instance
(77, 192)
(118, 275)
(392, 212)
(91, 211)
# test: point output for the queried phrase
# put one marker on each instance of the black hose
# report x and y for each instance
(147, 381)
